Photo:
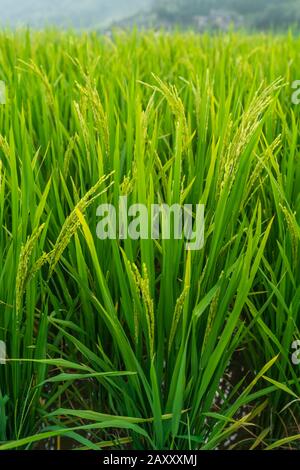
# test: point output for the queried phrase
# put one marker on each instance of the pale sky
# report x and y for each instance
(76, 13)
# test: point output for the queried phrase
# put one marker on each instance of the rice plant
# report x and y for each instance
(142, 344)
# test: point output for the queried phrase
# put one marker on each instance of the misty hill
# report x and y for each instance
(260, 14)
(199, 14)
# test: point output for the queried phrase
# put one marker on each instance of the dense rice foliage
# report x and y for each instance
(142, 344)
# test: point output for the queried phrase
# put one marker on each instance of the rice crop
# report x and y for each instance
(143, 344)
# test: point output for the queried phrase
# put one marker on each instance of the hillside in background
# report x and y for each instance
(68, 13)
(198, 14)
(220, 14)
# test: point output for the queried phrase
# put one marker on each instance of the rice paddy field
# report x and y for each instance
(142, 344)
